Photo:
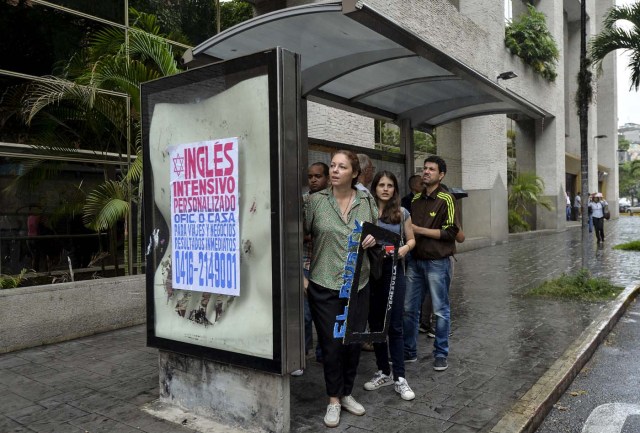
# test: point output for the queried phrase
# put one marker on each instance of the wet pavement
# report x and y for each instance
(502, 343)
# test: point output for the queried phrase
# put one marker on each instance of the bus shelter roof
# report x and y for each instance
(355, 58)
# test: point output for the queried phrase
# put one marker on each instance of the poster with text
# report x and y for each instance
(205, 229)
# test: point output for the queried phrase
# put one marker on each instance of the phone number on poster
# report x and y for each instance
(215, 270)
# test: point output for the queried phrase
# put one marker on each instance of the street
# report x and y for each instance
(605, 396)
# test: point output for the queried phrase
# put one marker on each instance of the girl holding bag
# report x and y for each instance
(395, 218)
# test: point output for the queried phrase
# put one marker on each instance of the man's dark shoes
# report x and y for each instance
(440, 364)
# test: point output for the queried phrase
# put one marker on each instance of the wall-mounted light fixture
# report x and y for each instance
(506, 75)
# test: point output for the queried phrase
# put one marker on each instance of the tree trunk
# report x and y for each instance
(583, 114)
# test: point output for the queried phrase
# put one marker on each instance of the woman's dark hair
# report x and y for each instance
(392, 213)
(355, 163)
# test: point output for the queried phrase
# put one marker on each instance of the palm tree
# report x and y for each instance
(97, 102)
(525, 192)
(614, 37)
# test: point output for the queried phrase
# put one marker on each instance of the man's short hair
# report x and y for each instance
(365, 161)
(325, 167)
(442, 166)
(413, 179)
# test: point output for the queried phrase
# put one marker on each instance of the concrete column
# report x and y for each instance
(483, 152)
(607, 110)
(550, 134)
(236, 397)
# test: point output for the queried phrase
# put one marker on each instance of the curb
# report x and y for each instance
(526, 415)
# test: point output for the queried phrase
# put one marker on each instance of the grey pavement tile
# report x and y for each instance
(30, 369)
(95, 402)
(426, 424)
(461, 397)
(32, 390)
(56, 427)
(459, 428)
(10, 426)
(99, 424)
(495, 399)
(9, 361)
(475, 381)
(61, 413)
(474, 416)
(131, 415)
(504, 384)
(131, 389)
(10, 402)
(66, 397)
(437, 411)
(10, 379)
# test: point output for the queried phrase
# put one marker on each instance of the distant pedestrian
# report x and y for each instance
(435, 226)
(568, 210)
(577, 203)
(597, 207)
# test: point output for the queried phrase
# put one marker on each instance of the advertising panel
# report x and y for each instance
(218, 255)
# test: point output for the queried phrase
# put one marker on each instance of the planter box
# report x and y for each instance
(32, 316)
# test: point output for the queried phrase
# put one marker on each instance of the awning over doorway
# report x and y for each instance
(356, 59)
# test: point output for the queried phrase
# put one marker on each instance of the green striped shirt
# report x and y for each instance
(330, 236)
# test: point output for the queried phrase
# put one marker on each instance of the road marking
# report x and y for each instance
(609, 418)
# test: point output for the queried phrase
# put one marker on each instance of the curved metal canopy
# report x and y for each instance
(356, 59)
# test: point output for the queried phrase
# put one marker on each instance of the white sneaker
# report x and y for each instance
(402, 388)
(351, 405)
(332, 417)
(378, 380)
(297, 373)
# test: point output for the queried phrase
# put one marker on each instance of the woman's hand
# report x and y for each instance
(403, 251)
(368, 242)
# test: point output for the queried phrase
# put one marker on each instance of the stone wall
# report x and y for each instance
(33, 316)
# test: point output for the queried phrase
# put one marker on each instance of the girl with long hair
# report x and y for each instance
(397, 219)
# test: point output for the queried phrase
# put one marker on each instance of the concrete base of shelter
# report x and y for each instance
(33, 316)
(238, 399)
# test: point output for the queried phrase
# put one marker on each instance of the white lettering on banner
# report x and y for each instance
(205, 216)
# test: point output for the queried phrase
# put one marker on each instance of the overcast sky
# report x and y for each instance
(628, 101)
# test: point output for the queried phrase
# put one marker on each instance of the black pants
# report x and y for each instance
(340, 361)
(598, 225)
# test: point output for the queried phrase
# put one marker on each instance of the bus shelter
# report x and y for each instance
(225, 152)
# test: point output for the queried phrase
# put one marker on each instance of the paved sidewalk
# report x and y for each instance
(502, 344)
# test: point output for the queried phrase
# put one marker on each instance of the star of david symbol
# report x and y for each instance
(178, 165)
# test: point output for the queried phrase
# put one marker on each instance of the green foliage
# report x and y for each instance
(629, 178)
(628, 246)
(529, 38)
(580, 286)
(623, 143)
(196, 19)
(387, 137)
(517, 223)
(525, 191)
(613, 37)
(79, 115)
(12, 281)
(425, 143)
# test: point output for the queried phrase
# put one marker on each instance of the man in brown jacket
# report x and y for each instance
(435, 225)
